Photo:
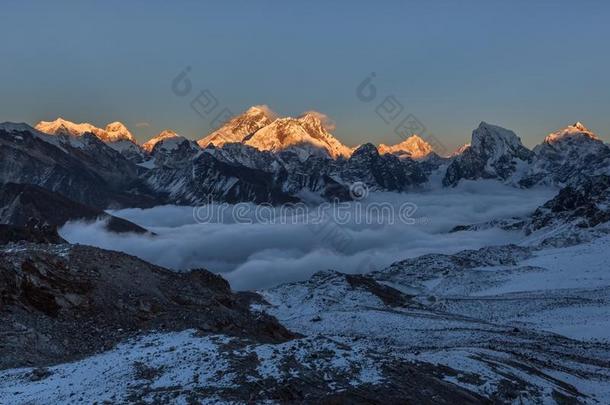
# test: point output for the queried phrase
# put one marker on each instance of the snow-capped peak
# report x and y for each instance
(494, 152)
(257, 110)
(569, 155)
(239, 127)
(61, 126)
(414, 147)
(117, 131)
(114, 131)
(574, 131)
(579, 125)
(163, 135)
(305, 135)
(313, 119)
(259, 128)
(12, 127)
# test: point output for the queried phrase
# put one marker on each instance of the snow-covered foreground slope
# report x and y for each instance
(562, 290)
(496, 360)
(182, 366)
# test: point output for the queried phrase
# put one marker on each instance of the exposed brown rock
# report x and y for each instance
(59, 302)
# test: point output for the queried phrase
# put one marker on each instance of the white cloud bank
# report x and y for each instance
(260, 255)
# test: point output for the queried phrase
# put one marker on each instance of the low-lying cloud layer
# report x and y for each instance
(258, 255)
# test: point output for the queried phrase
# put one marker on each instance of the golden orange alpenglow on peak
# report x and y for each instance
(414, 147)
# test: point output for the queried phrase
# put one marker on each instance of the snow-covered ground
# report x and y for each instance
(109, 376)
(486, 351)
(172, 366)
(584, 266)
(564, 290)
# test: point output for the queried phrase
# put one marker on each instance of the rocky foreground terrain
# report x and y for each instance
(61, 301)
(522, 323)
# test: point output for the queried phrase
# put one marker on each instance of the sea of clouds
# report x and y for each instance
(261, 248)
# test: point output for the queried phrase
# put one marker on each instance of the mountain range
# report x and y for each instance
(258, 157)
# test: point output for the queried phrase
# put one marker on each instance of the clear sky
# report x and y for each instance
(531, 66)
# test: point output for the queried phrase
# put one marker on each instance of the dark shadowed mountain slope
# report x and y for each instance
(34, 234)
(381, 172)
(20, 203)
(82, 168)
(494, 153)
(584, 205)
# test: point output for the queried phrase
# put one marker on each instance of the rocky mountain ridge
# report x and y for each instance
(262, 158)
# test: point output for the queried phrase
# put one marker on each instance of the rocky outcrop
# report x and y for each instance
(60, 302)
(206, 178)
(584, 205)
(34, 232)
(494, 153)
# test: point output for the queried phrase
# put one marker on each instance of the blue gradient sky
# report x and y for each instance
(530, 66)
